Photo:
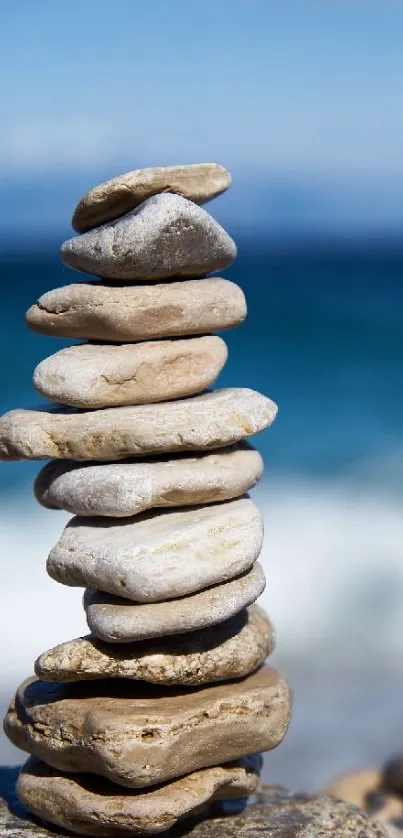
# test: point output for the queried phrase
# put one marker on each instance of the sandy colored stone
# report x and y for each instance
(118, 620)
(96, 311)
(128, 488)
(204, 422)
(199, 182)
(165, 236)
(159, 555)
(365, 789)
(108, 375)
(95, 806)
(271, 812)
(219, 653)
(139, 735)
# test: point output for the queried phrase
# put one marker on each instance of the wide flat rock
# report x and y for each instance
(128, 488)
(118, 620)
(199, 182)
(165, 236)
(96, 311)
(204, 422)
(159, 555)
(93, 375)
(230, 650)
(271, 812)
(138, 734)
(95, 806)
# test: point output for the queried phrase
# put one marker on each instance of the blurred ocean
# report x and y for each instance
(324, 339)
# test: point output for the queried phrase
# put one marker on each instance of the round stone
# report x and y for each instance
(199, 182)
(138, 734)
(118, 620)
(159, 555)
(204, 422)
(92, 375)
(230, 650)
(128, 488)
(95, 806)
(96, 311)
(166, 236)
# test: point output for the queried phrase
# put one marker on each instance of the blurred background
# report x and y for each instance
(303, 103)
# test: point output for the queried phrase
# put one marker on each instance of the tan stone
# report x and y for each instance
(96, 311)
(200, 423)
(92, 375)
(199, 182)
(141, 735)
(166, 236)
(159, 555)
(219, 653)
(95, 806)
(353, 787)
(128, 488)
(117, 620)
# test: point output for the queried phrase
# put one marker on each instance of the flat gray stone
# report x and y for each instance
(108, 375)
(201, 423)
(230, 650)
(128, 488)
(117, 620)
(159, 555)
(96, 311)
(138, 734)
(165, 236)
(271, 812)
(200, 182)
(95, 806)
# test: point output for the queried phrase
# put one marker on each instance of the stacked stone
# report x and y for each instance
(155, 714)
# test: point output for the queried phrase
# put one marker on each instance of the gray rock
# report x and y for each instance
(118, 620)
(128, 488)
(159, 555)
(272, 812)
(198, 181)
(197, 424)
(109, 375)
(230, 650)
(96, 311)
(165, 236)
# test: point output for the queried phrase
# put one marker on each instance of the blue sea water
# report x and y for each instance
(324, 339)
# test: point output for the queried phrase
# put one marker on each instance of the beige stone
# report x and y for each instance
(166, 236)
(199, 182)
(201, 423)
(93, 375)
(159, 555)
(117, 620)
(96, 311)
(95, 806)
(139, 735)
(353, 787)
(219, 653)
(127, 488)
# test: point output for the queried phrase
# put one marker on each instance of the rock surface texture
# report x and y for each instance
(151, 719)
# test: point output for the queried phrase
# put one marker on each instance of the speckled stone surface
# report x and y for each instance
(118, 620)
(230, 650)
(200, 423)
(128, 488)
(271, 812)
(108, 375)
(138, 734)
(96, 311)
(198, 182)
(165, 236)
(159, 555)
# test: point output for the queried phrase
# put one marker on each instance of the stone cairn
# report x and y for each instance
(155, 714)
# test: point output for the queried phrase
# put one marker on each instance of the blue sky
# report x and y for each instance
(300, 91)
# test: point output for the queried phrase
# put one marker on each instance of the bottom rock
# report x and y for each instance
(94, 806)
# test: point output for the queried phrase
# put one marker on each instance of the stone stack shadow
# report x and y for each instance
(165, 707)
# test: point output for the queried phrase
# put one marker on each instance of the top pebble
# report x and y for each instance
(199, 182)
